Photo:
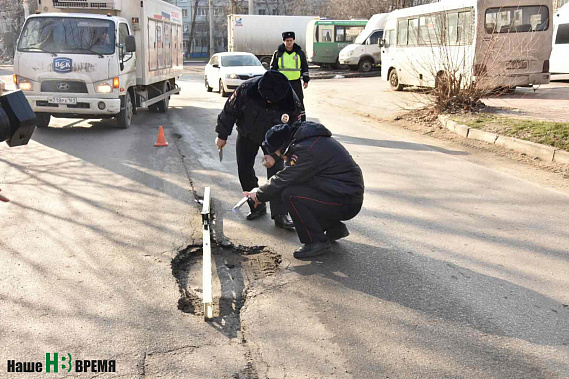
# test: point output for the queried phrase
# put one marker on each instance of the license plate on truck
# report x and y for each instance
(62, 100)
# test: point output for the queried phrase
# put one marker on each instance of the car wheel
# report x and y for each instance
(365, 65)
(207, 87)
(394, 81)
(222, 89)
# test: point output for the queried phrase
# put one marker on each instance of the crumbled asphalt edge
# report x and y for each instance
(254, 262)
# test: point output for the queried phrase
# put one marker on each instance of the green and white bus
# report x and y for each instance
(325, 39)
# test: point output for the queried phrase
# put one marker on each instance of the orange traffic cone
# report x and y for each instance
(161, 140)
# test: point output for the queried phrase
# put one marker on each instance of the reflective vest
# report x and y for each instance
(289, 65)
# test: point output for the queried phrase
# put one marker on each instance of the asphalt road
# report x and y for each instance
(454, 267)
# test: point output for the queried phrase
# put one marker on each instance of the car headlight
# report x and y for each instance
(24, 84)
(104, 87)
(232, 76)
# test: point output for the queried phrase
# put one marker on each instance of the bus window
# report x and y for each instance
(429, 30)
(452, 28)
(516, 19)
(340, 34)
(413, 31)
(325, 33)
(402, 33)
(562, 34)
(465, 28)
(347, 33)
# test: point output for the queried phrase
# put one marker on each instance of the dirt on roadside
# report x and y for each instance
(426, 123)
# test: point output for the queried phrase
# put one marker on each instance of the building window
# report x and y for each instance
(202, 11)
(275, 11)
(185, 12)
(262, 11)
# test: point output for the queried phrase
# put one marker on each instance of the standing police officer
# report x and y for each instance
(255, 106)
(291, 61)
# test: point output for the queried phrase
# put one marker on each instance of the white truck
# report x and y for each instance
(104, 59)
(261, 35)
(365, 52)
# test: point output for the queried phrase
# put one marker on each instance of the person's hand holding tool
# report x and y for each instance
(253, 196)
(220, 143)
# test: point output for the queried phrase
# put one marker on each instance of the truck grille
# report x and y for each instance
(64, 86)
(83, 4)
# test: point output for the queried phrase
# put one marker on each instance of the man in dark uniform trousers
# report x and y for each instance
(255, 106)
(291, 61)
(321, 186)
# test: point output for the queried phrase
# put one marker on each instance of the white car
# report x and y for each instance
(226, 71)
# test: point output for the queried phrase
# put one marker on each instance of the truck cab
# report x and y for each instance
(99, 63)
(74, 65)
(365, 52)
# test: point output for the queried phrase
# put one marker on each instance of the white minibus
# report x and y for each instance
(560, 52)
(488, 43)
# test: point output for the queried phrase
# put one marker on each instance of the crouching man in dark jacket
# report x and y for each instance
(255, 106)
(321, 186)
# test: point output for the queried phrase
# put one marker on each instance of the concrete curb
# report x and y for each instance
(532, 149)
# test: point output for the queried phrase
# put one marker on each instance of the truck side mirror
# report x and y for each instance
(381, 43)
(130, 44)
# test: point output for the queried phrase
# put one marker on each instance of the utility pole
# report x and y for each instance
(211, 39)
(251, 7)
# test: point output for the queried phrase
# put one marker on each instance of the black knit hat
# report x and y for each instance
(278, 136)
(273, 86)
(288, 35)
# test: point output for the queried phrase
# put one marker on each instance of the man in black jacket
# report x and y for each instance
(255, 106)
(321, 185)
(291, 61)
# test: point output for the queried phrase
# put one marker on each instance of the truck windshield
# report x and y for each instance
(239, 60)
(361, 38)
(68, 35)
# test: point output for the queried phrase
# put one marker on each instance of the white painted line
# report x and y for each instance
(206, 276)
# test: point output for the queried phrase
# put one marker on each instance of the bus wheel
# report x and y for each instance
(394, 81)
(42, 120)
(365, 65)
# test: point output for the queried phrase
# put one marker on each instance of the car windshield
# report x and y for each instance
(68, 35)
(239, 60)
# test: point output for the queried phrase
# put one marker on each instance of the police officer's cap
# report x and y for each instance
(288, 35)
(277, 137)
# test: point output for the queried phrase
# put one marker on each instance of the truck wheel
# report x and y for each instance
(42, 120)
(365, 65)
(125, 116)
(394, 81)
(222, 89)
(162, 105)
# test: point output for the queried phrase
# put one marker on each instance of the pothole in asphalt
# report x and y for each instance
(236, 267)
